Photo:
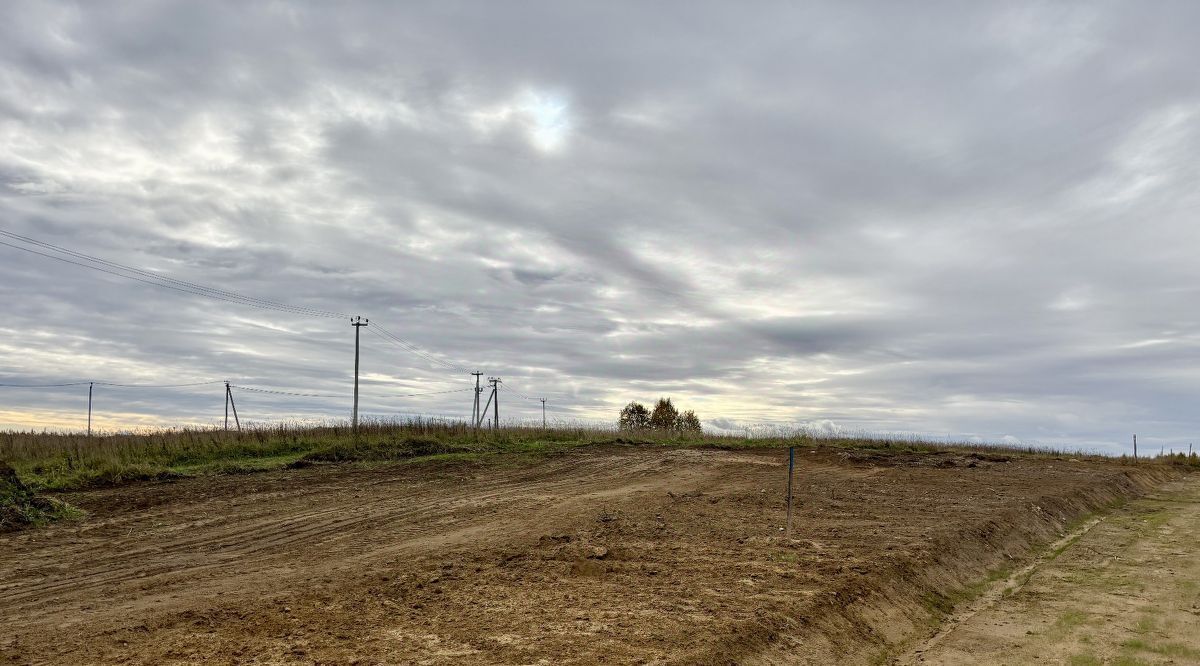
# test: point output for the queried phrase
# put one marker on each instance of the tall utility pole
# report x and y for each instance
(475, 408)
(90, 386)
(230, 403)
(1135, 447)
(357, 323)
(543, 413)
(495, 382)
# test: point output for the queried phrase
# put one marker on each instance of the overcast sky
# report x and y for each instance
(942, 218)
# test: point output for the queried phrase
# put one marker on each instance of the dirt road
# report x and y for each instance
(615, 554)
(1126, 591)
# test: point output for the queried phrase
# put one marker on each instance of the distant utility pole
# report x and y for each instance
(90, 386)
(543, 413)
(357, 323)
(495, 400)
(475, 408)
(230, 403)
(1135, 447)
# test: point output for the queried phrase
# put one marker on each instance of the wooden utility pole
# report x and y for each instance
(357, 323)
(495, 382)
(1135, 447)
(475, 409)
(485, 408)
(543, 413)
(90, 386)
(230, 403)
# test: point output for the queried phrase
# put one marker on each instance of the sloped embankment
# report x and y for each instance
(868, 619)
(20, 507)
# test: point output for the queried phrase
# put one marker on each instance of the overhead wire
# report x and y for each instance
(151, 282)
(326, 395)
(277, 392)
(398, 341)
(197, 289)
(113, 384)
(44, 385)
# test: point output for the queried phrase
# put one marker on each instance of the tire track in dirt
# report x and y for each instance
(626, 553)
(260, 539)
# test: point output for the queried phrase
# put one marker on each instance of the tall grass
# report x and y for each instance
(62, 461)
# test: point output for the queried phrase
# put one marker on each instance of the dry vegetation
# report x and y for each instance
(52, 461)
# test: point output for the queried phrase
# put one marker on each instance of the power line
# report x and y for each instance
(326, 395)
(204, 383)
(519, 394)
(210, 291)
(44, 385)
(388, 336)
(277, 392)
(157, 284)
(113, 384)
(197, 289)
(155, 279)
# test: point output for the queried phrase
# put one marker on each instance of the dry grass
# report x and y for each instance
(50, 461)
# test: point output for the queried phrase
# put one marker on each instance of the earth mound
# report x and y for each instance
(20, 507)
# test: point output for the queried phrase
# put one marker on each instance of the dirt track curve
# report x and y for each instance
(615, 554)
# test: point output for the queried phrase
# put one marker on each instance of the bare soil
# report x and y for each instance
(614, 554)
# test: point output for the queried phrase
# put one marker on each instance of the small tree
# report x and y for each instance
(689, 423)
(634, 416)
(665, 416)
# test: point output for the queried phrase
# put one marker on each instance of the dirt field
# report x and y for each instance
(1125, 591)
(614, 554)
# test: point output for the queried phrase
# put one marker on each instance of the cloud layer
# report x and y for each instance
(949, 219)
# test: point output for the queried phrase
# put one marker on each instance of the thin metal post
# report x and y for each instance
(90, 386)
(543, 413)
(787, 530)
(357, 323)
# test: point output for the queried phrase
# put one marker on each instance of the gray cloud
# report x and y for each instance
(945, 219)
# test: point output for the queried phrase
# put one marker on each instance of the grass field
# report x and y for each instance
(48, 461)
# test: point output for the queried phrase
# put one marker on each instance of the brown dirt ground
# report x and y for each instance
(615, 554)
(1125, 592)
